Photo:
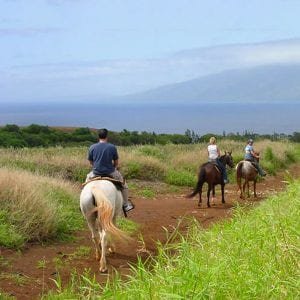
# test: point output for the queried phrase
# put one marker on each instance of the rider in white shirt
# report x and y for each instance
(213, 156)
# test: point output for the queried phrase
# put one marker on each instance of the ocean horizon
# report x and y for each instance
(262, 118)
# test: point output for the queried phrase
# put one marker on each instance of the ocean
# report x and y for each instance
(160, 118)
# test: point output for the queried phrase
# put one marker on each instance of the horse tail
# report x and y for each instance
(200, 182)
(105, 213)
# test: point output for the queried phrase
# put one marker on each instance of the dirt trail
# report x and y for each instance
(27, 274)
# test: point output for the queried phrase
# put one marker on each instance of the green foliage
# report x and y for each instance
(68, 217)
(180, 178)
(147, 192)
(273, 163)
(36, 135)
(132, 170)
(253, 256)
(127, 225)
(154, 151)
(9, 235)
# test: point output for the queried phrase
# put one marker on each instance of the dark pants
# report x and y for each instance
(222, 168)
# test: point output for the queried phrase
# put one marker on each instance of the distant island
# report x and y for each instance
(271, 83)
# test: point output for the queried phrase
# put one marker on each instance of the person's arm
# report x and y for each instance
(218, 151)
(254, 154)
(116, 163)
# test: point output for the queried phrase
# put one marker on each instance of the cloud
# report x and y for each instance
(125, 76)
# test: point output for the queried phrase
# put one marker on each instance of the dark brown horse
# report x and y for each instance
(210, 174)
(247, 171)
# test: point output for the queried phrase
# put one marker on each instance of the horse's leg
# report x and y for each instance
(200, 195)
(91, 220)
(103, 267)
(254, 187)
(222, 190)
(239, 183)
(248, 189)
(208, 194)
(244, 188)
(213, 195)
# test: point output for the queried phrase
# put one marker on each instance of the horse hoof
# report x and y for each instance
(104, 270)
(111, 250)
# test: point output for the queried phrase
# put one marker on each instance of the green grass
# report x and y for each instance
(5, 296)
(180, 178)
(253, 256)
(172, 164)
(147, 192)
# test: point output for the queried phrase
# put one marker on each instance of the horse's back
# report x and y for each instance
(210, 173)
(245, 169)
(111, 193)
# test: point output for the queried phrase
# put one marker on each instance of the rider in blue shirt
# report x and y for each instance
(253, 157)
(104, 160)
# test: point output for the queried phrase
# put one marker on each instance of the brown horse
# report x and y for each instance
(247, 171)
(210, 174)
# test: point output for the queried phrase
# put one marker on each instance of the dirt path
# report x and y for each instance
(27, 274)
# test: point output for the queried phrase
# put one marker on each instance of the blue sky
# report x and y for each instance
(55, 50)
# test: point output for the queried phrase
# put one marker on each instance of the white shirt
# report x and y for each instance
(212, 151)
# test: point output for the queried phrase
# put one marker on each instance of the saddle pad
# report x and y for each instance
(118, 184)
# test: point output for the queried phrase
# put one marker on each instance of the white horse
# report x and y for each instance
(101, 202)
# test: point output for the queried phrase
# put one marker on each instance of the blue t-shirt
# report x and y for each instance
(102, 155)
(248, 150)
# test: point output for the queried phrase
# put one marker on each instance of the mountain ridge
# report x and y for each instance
(280, 82)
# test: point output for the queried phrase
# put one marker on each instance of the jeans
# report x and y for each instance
(261, 172)
(222, 168)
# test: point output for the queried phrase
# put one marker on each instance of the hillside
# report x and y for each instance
(265, 83)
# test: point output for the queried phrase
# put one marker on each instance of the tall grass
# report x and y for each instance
(36, 208)
(173, 164)
(253, 256)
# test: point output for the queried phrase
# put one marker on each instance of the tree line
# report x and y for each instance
(35, 135)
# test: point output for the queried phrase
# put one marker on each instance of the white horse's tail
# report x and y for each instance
(105, 214)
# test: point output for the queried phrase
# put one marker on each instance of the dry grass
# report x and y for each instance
(140, 162)
(36, 207)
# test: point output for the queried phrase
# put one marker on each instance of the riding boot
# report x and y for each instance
(261, 172)
(127, 205)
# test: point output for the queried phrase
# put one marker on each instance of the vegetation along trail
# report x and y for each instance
(33, 271)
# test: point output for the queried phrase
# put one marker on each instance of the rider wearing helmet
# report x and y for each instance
(253, 157)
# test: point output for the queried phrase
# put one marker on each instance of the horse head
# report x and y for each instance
(227, 159)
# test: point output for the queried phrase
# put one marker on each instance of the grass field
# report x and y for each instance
(173, 164)
(255, 255)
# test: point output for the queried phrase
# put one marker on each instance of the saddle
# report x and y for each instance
(253, 163)
(214, 163)
(118, 184)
